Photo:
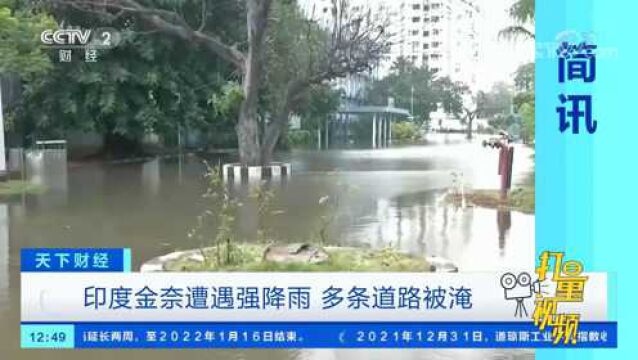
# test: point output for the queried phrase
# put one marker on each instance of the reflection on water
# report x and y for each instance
(474, 238)
(151, 177)
(386, 197)
(49, 168)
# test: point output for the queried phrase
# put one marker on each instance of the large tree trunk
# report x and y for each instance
(279, 122)
(273, 132)
(470, 120)
(248, 125)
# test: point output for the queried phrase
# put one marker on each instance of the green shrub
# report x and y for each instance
(405, 131)
(299, 138)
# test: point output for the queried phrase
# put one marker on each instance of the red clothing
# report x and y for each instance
(505, 161)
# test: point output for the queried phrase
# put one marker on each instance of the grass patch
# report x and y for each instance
(519, 199)
(18, 187)
(248, 257)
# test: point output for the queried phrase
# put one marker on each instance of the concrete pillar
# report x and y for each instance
(327, 133)
(381, 127)
(390, 132)
(387, 131)
(374, 131)
(380, 132)
(3, 165)
(4, 257)
(348, 130)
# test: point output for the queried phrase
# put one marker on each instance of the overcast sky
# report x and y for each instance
(499, 58)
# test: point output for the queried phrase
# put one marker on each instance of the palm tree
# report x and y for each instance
(523, 14)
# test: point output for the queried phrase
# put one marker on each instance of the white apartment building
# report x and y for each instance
(439, 34)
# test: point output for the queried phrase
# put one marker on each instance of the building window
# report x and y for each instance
(436, 44)
(416, 6)
(416, 19)
(415, 32)
(426, 46)
(426, 33)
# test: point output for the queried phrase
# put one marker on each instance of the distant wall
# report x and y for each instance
(83, 143)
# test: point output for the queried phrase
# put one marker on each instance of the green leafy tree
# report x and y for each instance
(20, 50)
(354, 44)
(320, 101)
(523, 14)
(498, 100)
(145, 85)
(450, 95)
(524, 100)
(529, 121)
(458, 101)
(149, 83)
(472, 110)
(524, 77)
(21, 56)
(411, 87)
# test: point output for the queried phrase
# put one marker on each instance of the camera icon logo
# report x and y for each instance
(519, 288)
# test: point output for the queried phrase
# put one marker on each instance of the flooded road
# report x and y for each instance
(385, 197)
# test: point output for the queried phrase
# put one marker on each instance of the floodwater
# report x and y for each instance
(377, 198)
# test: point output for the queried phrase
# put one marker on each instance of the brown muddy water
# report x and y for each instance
(386, 197)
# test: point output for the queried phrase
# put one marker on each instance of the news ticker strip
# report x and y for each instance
(97, 302)
(295, 296)
(308, 335)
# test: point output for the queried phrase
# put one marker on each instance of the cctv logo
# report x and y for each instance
(65, 37)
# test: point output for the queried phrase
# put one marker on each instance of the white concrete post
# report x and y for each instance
(390, 133)
(385, 131)
(380, 132)
(387, 134)
(374, 131)
(4, 257)
(3, 164)
(327, 133)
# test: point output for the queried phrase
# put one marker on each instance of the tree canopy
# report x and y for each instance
(148, 83)
(20, 50)
(522, 12)
(277, 55)
(414, 88)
